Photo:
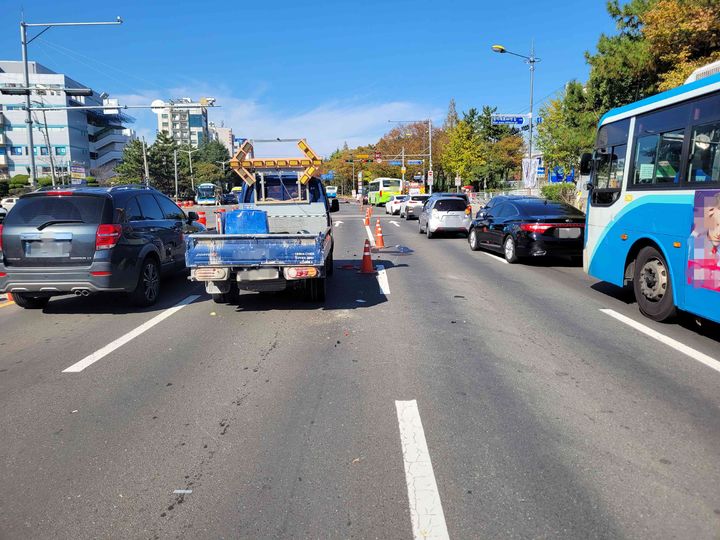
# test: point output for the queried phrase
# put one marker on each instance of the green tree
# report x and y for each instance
(161, 163)
(568, 127)
(208, 173)
(211, 152)
(463, 154)
(131, 170)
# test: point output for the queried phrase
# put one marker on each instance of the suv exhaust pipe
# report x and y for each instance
(81, 292)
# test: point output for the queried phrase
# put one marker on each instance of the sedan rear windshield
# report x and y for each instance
(450, 205)
(547, 208)
(420, 198)
(37, 211)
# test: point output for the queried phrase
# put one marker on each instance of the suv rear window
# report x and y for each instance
(35, 211)
(450, 205)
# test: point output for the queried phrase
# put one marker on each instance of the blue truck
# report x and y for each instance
(280, 237)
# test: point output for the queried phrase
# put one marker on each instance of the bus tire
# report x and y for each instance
(653, 286)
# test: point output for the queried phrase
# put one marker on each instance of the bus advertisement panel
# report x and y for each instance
(653, 211)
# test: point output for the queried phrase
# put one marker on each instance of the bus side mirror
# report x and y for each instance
(586, 163)
(589, 186)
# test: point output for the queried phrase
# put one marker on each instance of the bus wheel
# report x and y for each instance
(653, 286)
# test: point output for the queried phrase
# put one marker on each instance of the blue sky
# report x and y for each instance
(331, 71)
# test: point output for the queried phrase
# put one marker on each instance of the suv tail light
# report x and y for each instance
(468, 210)
(59, 193)
(107, 235)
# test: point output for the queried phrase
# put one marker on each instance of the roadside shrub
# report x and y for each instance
(560, 192)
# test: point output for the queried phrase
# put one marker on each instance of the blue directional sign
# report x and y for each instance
(398, 163)
(414, 161)
(505, 119)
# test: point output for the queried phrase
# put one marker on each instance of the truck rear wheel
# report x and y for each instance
(233, 295)
(315, 289)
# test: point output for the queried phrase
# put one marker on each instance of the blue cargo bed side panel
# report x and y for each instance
(254, 251)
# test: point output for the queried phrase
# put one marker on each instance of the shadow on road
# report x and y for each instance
(346, 289)
(172, 290)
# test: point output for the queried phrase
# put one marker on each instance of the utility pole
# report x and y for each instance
(532, 60)
(402, 185)
(24, 43)
(430, 149)
(145, 162)
(28, 113)
(50, 154)
(176, 173)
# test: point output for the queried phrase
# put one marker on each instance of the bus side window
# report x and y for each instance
(657, 158)
(704, 161)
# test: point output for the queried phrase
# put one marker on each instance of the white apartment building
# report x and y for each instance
(186, 125)
(90, 139)
(224, 135)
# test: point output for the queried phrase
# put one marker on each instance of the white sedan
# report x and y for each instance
(393, 205)
(412, 206)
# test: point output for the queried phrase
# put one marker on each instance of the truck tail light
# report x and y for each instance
(210, 274)
(381, 193)
(107, 235)
(300, 272)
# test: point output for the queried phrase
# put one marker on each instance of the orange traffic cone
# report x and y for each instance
(379, 242)
(367, 217)
(367, 265)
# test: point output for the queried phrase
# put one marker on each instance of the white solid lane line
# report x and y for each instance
(495, 257)
(370, 235)
(426, 513)
(670, 342)
(382, 279)
(110, 347)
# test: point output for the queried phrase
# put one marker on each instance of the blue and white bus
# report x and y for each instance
(653, 212)
(206, 194)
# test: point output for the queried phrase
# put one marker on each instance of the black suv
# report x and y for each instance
(84, 240)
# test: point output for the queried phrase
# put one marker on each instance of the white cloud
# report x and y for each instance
(326, 126)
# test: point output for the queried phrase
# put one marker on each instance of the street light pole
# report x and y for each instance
(531, 61)
(24, 43)
(176, 173)
(192, 177)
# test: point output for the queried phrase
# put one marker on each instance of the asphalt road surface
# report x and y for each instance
(450, 395)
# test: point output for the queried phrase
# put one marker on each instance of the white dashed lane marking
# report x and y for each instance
(426, 512)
